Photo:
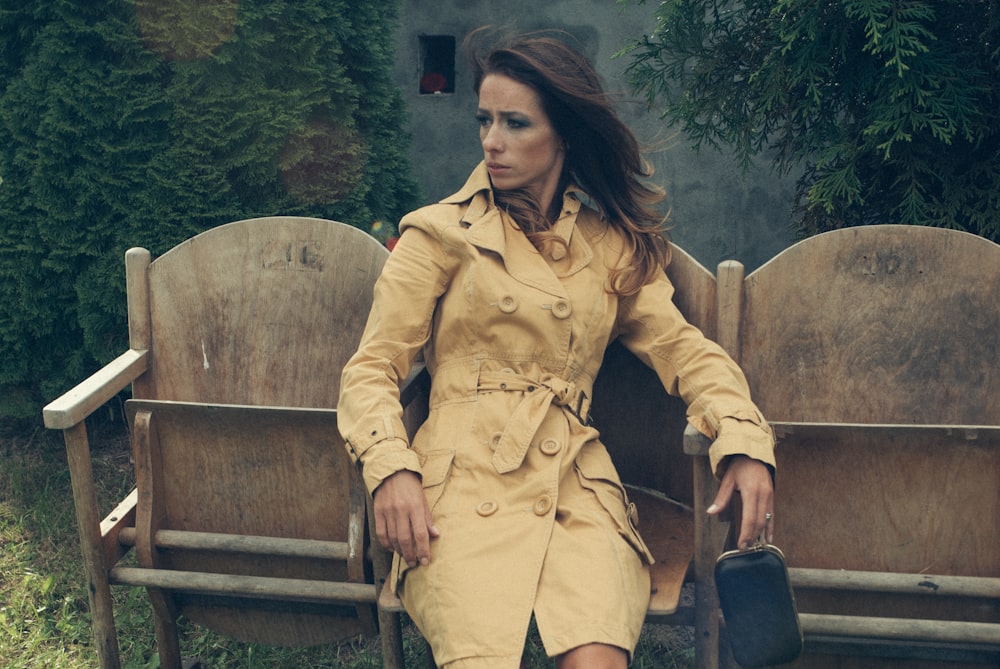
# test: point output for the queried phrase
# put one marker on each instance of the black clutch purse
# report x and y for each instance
(758, 605)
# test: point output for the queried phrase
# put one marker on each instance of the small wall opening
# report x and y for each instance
(437, 64)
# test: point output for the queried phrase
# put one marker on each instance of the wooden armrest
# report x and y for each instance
(76, 404)
(667, 527)
(983, 434)
(695, 443)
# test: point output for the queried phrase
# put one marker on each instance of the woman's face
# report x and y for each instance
(521, 147)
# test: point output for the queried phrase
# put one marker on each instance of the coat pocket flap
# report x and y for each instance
(434, 467)
(597, 474)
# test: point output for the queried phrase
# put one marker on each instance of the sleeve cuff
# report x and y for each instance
(382, 460)
(742, 437)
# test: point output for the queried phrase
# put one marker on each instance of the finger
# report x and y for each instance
(757, 514)
(421, 542)
(382, 532)
(722, 497)
(752, 523)
(406, 542)
(430, 531)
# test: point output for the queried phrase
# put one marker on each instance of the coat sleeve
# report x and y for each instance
(369, 413)
(697, 370)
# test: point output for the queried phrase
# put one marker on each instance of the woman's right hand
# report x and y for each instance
(403, 519)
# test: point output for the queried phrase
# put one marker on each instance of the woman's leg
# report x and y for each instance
(593, 656)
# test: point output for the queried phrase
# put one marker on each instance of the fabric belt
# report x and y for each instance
(527, 417)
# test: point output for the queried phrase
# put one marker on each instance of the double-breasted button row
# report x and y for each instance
(541, 507)
(561, 309)
(548, 446)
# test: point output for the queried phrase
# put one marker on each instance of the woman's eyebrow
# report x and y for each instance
(505, 114)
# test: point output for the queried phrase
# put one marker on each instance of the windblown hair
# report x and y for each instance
(602, 155)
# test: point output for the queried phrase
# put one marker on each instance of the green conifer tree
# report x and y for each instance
(888, 109)
(143, 122)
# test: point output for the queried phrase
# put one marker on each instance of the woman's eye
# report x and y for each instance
(483, 120)
(516, 124)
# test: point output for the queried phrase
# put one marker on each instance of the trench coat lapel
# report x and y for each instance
(521, 259)
(580, 254)
(489, 230)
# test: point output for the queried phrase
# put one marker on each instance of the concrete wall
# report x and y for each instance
(717, 212)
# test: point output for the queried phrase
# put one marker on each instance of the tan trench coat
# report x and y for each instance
(513, 340)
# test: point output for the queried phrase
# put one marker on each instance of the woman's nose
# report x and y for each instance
(491, 139)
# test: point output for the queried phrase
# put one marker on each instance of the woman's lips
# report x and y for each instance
(497, 169)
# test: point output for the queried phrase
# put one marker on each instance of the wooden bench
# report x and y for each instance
(872, 351)
(248, 517)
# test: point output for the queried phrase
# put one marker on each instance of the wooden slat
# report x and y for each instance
(910, 584)
(940, 631)
(668, 529)
(253, 587)
(84, 398)
(121, 517)
(240, 543)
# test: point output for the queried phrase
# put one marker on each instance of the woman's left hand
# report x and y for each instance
(752, 480)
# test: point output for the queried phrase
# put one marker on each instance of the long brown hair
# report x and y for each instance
(602, 155)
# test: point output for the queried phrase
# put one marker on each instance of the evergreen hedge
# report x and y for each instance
(143, 122)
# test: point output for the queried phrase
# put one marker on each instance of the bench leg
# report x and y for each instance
(709, 537)
(391, 632)
(89, 526)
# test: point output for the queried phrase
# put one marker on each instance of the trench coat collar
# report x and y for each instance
(488, 230)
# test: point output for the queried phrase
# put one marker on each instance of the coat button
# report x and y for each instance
(495, 440)
(550, 446)
(487, 508)
(507, 304)
(542, 505)
(562, 309)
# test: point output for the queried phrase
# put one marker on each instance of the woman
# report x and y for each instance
(507, 504)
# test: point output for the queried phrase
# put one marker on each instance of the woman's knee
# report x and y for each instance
(593, 656)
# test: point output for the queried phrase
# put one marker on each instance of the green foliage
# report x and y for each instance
(143, 122)
(888, 109)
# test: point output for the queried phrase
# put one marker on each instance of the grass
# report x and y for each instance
(44, 619)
